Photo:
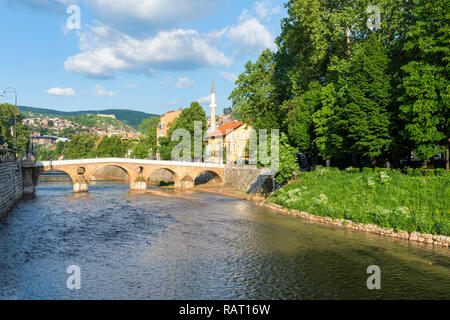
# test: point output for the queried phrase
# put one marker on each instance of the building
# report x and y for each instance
(228, 142)
(227, 138)
(47, 140)
(164, 122)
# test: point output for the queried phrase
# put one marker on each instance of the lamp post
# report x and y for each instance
(5, 92)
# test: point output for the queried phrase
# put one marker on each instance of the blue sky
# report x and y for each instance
(147, 55)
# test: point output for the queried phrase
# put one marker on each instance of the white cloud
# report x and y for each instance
(132, 15)
(204, 100)
(55, 6)
(184, 82)
(264, 11)
(229, 76)
(101, 91)
(131, 86)
(67, 92)
(250, 35)
(106, 51)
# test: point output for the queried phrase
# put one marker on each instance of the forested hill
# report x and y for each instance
(130, 117)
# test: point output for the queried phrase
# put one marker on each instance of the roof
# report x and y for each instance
(225, 129)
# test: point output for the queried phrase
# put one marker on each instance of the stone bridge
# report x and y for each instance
(184, 173)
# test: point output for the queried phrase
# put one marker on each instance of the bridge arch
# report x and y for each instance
(70, 173)
(161, 174)
(97, 173)
(208, 177)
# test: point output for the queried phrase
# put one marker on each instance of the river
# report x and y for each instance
(192, 245)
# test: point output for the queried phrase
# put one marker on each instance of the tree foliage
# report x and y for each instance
(344, 88)
(186, 121)
(111, 147)
(81, 146)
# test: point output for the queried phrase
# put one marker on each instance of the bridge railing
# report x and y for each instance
(131, 161)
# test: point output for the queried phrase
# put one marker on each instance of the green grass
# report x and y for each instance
(386, 198)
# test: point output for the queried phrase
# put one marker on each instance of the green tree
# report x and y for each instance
(148, 127)
(81, 146)
(142, 149)
(186, 120)
(425, 98)
(111, 147)
(7, 128)
(227, 111)
(301, 127)
(287, 160)
(358, 122)
(165, 148)
(252, 98)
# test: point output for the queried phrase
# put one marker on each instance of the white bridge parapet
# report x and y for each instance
(131, 161)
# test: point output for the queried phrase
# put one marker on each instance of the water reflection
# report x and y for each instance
(176, 245)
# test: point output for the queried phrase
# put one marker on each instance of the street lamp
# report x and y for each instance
(5, 92)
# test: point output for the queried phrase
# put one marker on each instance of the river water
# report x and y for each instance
(192, 245)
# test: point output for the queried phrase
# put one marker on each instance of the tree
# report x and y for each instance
(111, 147)
(142, 149)
(425, 103)
(186, 120)
(7, 128)
(165, 148)
(81, 146)
(301, 127)
(287, 160)
(253, 96)
(148, 127)
(357, 121)
(227, 111)
(365, 96)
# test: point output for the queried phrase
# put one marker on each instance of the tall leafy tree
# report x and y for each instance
(358, 121)
(253, 96)
(7, 127)
(300, 126)
(186, 121)
(148, 127)
(425, 99)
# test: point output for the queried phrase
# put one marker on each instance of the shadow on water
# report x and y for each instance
(167, 244)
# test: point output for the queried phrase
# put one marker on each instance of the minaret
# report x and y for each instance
(213, 107)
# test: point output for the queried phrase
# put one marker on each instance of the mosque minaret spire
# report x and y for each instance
(213, 107)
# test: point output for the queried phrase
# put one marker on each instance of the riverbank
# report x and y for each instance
(11, 186)
(385, 202)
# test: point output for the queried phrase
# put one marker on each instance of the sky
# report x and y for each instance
(146, 55)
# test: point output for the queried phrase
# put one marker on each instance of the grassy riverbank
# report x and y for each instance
(385, 198)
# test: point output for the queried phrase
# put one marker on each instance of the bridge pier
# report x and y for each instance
(80, 185)
(30, 174)
(185, 184)
(140, 184)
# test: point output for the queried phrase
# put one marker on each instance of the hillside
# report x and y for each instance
(103, 123)
(129, 117)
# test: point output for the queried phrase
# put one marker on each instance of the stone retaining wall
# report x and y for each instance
(248, 179)
(429, 239)
(11, 186)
